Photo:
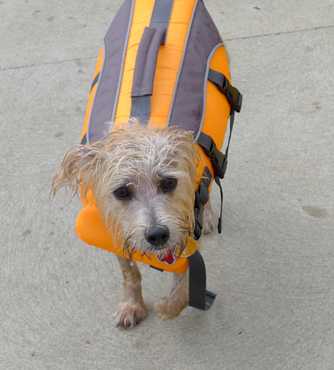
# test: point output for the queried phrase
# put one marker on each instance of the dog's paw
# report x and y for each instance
(169, 308)
(130, 314)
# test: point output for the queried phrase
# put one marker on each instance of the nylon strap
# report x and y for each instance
(201, 198)
(218, 159)
(95, 81)
(153, 37)
(84, 140)
(232, 94)
(219, 164)
(230, 134)
(161, 13)
(199, 297)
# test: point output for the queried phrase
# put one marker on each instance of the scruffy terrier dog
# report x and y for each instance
(143, 182)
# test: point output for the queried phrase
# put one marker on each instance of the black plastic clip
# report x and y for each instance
(217, 158)
(201, 198)
(232, 94)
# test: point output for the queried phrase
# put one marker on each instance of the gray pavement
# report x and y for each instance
(273, 269)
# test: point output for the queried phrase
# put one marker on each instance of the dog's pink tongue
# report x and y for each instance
(168, 258)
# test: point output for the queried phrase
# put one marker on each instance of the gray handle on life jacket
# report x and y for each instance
(146, 61)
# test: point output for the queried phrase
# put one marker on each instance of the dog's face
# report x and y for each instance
(143, 182)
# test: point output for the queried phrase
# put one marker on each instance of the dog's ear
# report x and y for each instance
(79, 168)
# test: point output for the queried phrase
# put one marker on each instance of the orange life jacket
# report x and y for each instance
(163, 62)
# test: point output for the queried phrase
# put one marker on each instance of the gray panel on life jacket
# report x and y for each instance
(188, 104)
(161, 13)
(116, 42)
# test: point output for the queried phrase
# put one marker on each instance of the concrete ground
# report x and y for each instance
(273, 269)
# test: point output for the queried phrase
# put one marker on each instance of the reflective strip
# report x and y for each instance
(205, 89)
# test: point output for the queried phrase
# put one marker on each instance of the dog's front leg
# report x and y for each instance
(132, 308)
(171, 306)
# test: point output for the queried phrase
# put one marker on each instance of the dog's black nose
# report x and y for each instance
(157, 235)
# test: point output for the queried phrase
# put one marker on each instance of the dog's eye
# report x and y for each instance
(123, 193)
(168, 184)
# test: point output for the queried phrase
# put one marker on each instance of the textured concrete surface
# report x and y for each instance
(273, 269)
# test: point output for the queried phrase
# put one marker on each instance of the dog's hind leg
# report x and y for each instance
(132, 308)
(208, 218)
(171, 306)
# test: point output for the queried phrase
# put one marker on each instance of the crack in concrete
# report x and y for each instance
(302, 30)
(56, 62)
(262, 35)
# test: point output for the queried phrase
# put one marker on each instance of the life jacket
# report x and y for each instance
(163, 62)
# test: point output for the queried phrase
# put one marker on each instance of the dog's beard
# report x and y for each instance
(173, 249)
(128, 230)
(133, 240)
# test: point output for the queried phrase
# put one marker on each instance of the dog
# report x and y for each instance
(163, 72)
(143, 182)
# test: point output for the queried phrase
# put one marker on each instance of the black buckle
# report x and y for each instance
(201, 198)
(232, 94)
(218, 159)
(203, 191)
(198, 223)
(219, 162)
(209, 299)
(84, 140)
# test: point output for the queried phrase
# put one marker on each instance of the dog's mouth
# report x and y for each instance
(167, 257)
(170, 254)
(166, 254)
